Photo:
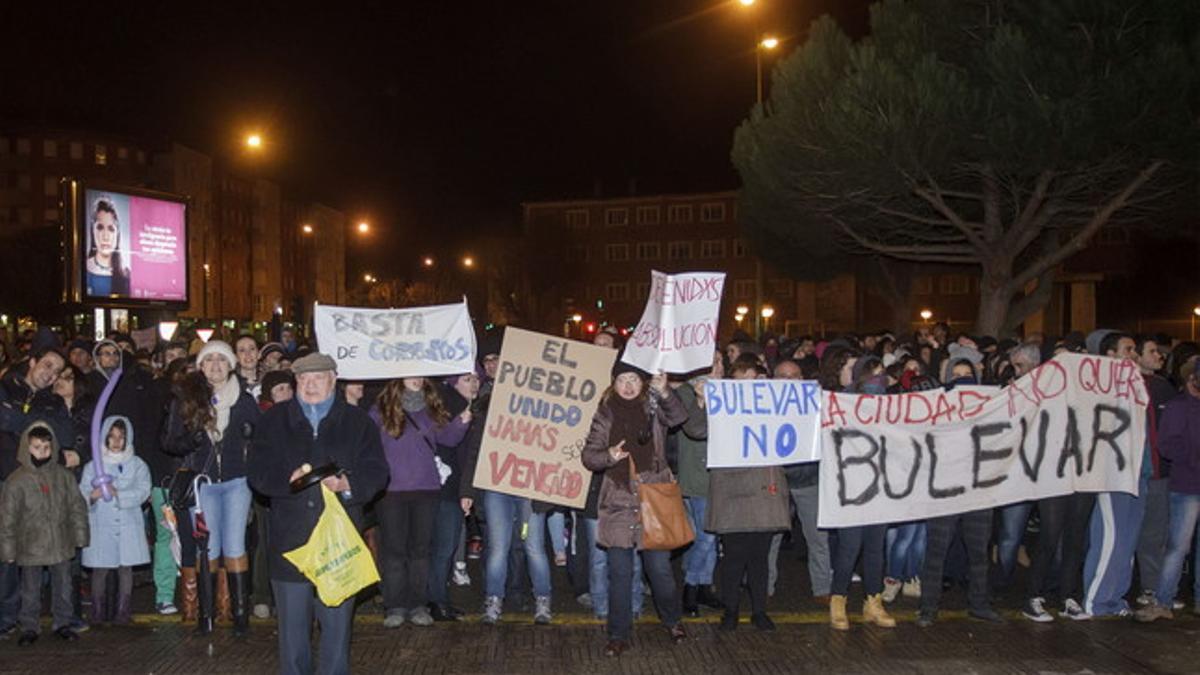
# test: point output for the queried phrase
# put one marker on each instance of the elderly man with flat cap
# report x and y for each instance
(314, 429)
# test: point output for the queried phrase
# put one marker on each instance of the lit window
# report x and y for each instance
(616, 217)
(122, 153)
(712, 248)
(647, 215)
(712, 213)
(101, 155)
(679, 213)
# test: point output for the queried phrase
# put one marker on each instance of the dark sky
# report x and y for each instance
(431, 119)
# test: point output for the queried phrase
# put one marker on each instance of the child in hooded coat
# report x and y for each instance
(117, 528)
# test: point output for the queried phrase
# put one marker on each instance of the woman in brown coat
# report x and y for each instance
(628, 431)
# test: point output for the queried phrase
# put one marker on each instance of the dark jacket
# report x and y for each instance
(1179, 441)
(753, 499)
(139, 399)
(693, 445)
(222, 461)
(283, 442)
(43, 517)
(468, 450)
(620, 523)
(20, 406)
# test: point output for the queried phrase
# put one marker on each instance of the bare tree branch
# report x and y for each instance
(935, 200)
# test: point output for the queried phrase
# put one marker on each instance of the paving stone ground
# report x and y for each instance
(803, 643)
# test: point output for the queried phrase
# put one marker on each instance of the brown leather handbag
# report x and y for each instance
(665, 523)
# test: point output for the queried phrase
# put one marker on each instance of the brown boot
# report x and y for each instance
(873, 612)
(224, 612)
(837, 613)
(189, 598)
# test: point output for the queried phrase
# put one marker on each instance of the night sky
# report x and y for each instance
(431, 120)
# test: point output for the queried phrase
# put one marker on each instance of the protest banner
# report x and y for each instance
(762, 422)
(678, 329)
(374, 344)
(1077, 423)
(543, 400)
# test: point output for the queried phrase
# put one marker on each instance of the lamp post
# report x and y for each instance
(767, 312)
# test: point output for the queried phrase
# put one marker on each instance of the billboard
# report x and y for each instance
(130, 246)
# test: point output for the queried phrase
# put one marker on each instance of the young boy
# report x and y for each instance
(43, 520)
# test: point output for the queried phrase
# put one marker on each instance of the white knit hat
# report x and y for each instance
(217, 347)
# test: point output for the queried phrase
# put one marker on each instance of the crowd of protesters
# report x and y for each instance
(248, 415)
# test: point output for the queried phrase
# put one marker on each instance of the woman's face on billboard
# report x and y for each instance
(105, 233)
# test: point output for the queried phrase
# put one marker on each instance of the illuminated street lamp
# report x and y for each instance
(254, 141)
(364, 227)
(427, 261)
(768, 312)
(1195, 313)
(306, 228)
(742, 310)
(769, 43)
(926, 315)
(746, 3)
(577, 318)
(468, 261)
(369, 278)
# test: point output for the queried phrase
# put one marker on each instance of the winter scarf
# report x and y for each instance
(631, 424)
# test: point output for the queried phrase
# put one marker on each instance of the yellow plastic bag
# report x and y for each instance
(335, 558)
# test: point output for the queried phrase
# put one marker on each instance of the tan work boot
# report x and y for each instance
(221, 606)
(837, 613)
(873, 612)
(189, 598)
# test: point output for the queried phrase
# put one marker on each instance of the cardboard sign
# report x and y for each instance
(546, 392)
(373, 344)
(762, 422)
(1075, 424)
(678, 330)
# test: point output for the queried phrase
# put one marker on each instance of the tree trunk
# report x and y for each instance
(994, 299)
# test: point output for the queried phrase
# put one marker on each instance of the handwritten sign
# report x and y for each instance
(370, 344)
(678, 330)
(1075, 424)
(762, 422)
(545, 395)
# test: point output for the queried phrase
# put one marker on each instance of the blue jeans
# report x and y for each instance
(503, 511)
(226, 511)
(556, 525)
(662, 583)
(297, 605)
(1013, 519)
(1185, 514)
(598, 577)
(447, 530)
(906, 550)
(700, 558)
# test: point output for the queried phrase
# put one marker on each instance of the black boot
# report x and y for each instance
(708, 597)
(689, 600)
(239, 596)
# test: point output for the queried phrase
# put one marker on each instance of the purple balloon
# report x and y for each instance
(102, 480)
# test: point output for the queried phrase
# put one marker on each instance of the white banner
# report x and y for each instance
(762, 422)
(382, 344)
(1075, 424)
(678, 330)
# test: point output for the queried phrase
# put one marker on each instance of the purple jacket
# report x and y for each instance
(410, 457)
(1179, 441)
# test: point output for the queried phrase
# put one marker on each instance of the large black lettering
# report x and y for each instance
(912, 473)
(1043, 426)
(1109, 437)
(839, 439)
(1071, 445)
(982, 455)
(936, 492)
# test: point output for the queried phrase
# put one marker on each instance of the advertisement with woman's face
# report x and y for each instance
(135, 247)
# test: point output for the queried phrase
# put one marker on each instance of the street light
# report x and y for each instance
(254, 141)
(769, 42)
(743, 310)
(1195, 313)
(577, 318)
(364, 227)
(306, 228)
(926, 315)
(468, 261)
(746, 3)
(427, 261)
(768, 312)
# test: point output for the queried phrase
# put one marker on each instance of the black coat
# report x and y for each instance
(20, 406)
(285, 441)
(137, 398)
(201, 454)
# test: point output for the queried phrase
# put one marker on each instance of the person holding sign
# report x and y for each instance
(747, 506)
(314, 429)
(628, 430)
(844, 369)
(412, 421)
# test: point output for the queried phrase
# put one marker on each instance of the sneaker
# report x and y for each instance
(420, 617)
(541, 612)
(394, 619)
(855, 579)
(166, 608)
(1035, 610)
(79, 625)
(1146, 598)
(1177, 605)
(1072, 610)
(891, 588)
(460, 577)
(493, 607)
(985, 614)
(911, 588)
(1153, 612)
(262, 611)
(8, 630)
(584, 600)
(926, 618)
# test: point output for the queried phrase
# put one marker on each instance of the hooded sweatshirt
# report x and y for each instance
(43, 518)
(117, 526)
